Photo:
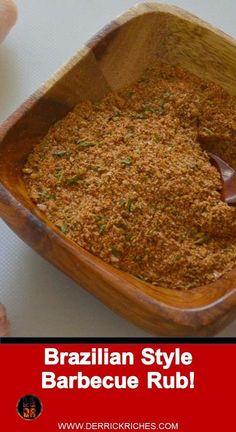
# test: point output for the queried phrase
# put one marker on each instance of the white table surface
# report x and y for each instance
(40, 300)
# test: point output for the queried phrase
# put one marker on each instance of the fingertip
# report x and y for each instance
(8, 17)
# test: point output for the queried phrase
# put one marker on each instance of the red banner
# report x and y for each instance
(130, 386)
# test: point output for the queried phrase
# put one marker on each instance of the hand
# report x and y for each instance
(8, 16)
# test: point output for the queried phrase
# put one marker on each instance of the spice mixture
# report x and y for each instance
(128, 180)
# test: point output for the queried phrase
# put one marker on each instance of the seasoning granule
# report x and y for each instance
(127, 179)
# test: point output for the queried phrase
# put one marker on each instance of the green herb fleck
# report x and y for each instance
(59, 175)
(60, 153)
(189, 285)
(99, 217)
(64, 228)
(44, 195)
(75, 178)
(126, 162)
(177, 257)
(194, 167)
(114, 251)
(81, 144)
(201, 238)
(147, 109)
(101, 228)
(116, 111)
(130, 205)
(97, 168)
(161, 105)
(97, 104)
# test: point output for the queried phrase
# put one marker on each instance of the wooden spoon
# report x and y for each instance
(228, 176)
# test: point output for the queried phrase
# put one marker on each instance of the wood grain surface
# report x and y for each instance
(116, 57)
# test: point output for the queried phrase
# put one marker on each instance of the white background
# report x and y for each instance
(40, 300)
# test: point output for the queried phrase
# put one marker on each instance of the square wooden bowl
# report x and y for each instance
(114, 58)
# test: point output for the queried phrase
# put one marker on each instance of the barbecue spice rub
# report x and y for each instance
(127, 179)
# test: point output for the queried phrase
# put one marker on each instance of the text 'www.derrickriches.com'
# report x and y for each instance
(161, 426)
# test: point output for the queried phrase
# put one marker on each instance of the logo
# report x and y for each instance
(29, 407)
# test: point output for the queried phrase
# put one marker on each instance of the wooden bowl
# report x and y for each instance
(114, 58)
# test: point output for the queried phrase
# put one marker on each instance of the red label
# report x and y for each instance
(185, 387)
